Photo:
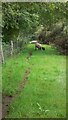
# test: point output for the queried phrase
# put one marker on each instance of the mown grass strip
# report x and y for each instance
(45, 94)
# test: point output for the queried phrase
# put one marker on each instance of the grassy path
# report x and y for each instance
(44, 95)
(7, 98)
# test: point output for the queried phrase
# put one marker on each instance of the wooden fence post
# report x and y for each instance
(1, 52)
(11, 47)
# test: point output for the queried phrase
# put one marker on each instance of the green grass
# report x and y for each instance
(13, 72)
(44, 95)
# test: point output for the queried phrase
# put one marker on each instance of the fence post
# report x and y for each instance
(11, 47)
(1, 52)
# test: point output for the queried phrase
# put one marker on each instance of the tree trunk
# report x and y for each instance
(11, 47)
(1, 53)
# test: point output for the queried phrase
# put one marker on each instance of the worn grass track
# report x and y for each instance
(7, 98)
(44, 96)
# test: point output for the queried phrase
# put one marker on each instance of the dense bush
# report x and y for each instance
(60, 38)
(57, 36)
(62, 44)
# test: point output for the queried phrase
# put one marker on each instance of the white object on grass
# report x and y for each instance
(33, 42)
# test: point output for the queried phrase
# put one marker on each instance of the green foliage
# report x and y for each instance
(58, 36)
(16, 16)
(29, 18)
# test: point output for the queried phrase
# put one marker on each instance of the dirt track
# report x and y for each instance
(7, 99)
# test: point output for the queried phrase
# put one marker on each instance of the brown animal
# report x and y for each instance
(39, 46)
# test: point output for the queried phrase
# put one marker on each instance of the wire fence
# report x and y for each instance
(8, 51)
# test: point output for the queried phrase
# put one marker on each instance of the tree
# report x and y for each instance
(27, 19)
